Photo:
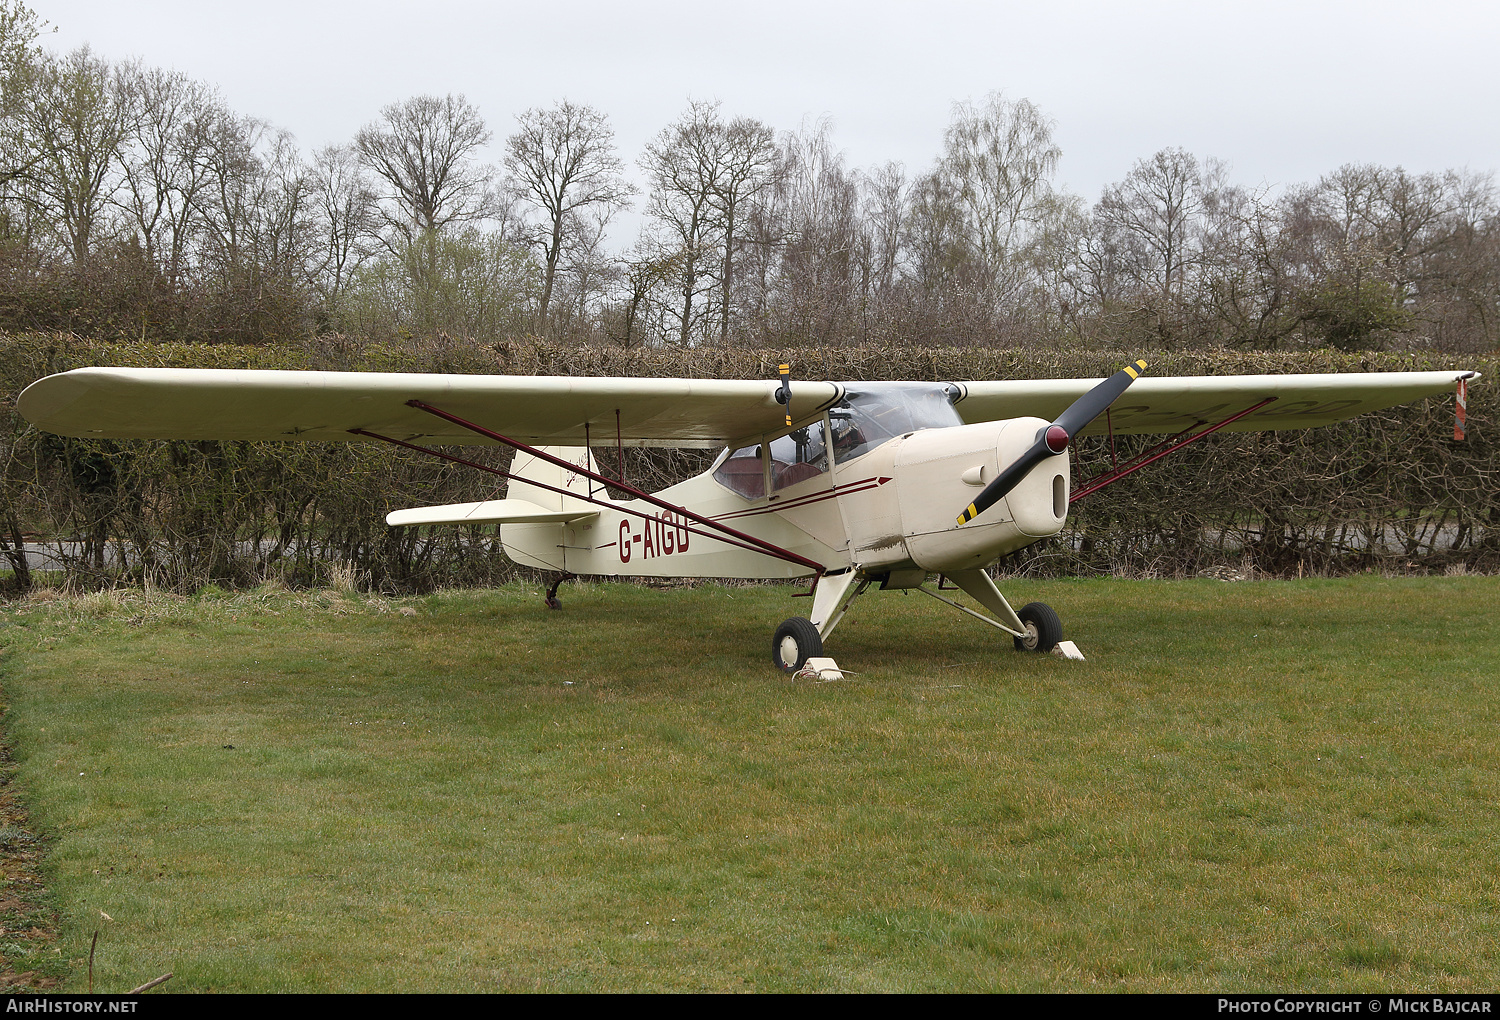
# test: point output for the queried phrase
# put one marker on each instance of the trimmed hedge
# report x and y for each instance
(1389, 491)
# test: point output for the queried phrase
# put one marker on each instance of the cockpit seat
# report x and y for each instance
(791, 474)
(742, 475)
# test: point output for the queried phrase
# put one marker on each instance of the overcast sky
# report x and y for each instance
(1284, 91)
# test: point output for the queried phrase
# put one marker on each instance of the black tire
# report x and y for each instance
(1045, 628)
(795, 642)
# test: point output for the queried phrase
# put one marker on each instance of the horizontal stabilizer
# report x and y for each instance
(491, 511)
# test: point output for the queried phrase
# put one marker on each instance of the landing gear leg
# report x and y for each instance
(981, 588)
(797, 639)
(1035, 628)
(553, 602)
(833, 599)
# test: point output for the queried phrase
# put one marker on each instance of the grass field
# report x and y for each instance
(1270, 785)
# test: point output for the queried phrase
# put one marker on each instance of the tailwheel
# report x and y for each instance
(795, 642)
(1043, 628)
(553, 602)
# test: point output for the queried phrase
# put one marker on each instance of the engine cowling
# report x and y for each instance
(938, 469)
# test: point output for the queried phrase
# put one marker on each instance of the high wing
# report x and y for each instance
(1174, 403)
(185, 403)
(179, 403)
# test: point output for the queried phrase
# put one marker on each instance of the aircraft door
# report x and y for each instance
(802, 483)
(867, 501)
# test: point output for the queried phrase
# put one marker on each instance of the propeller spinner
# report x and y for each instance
(1054, 439)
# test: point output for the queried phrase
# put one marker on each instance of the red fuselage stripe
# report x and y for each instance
(801, 501)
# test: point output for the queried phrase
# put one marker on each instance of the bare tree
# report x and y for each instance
(1462, 276)
(999, 157)
(20, 60)
(750, 163)
(225, 204)
(1247, 280)
(1060, 220)
(887, 192)
(1397, 246)
(1339, 218)
(1097, 274)
(348, 212)
(586, 268)
(73, 123)
(424, 150)
(647, 268)
(933, 234)
(163, 160)
(284, 227)
(811, 220)
(684, 165)
(1153, 210)
(564, 161)
(1416, 224)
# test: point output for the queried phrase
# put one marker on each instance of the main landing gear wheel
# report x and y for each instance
(795, 642)
(1043, 628)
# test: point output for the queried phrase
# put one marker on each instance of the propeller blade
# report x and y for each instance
(1054, 439)
(784, 392)
(1092, 404)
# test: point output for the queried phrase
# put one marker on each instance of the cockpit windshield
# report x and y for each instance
(871, 413)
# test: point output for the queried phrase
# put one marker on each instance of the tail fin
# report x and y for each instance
(544, 545)
(526, 467)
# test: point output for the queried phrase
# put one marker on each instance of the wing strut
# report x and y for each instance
(1171, 444)
(738, 538)
(553, 488)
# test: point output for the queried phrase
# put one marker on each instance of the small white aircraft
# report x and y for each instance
(851, 484)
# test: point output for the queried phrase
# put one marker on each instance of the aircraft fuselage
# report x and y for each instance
(833, 490)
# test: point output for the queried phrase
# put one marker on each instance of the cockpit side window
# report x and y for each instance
(796, 457)
(744, 472)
